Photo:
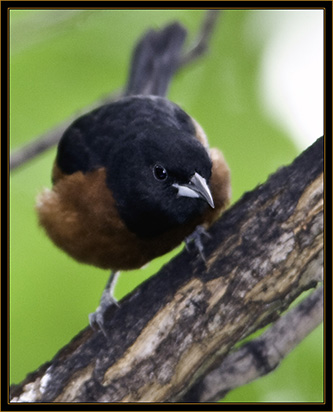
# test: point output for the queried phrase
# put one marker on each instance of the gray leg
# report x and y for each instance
(107, 299)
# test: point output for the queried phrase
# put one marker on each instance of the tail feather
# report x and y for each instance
(154, 61)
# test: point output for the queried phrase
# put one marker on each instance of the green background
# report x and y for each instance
(62, 61)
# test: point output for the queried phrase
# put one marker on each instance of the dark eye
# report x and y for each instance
(160, 173)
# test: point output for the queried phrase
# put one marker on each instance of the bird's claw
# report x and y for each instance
(196, 239)
(97, 318)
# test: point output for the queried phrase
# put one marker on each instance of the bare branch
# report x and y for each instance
(262, 355)
(49, 139)
(202, 41)
(27, 152)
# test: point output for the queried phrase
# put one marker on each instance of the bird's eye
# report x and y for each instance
(160, 173)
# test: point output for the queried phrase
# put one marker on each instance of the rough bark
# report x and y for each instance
(262, 355)
(170, 332)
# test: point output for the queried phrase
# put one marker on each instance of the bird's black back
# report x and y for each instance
(86, 144)
(130, 136)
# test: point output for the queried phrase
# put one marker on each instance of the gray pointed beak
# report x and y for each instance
(197, 187)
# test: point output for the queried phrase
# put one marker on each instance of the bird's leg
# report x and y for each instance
(196, 239)
(107, 299)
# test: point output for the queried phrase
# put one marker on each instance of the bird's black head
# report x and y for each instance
(159, 178)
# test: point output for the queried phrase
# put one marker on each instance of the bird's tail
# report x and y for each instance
(155, 59)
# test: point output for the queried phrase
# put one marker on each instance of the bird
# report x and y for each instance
(134, 178)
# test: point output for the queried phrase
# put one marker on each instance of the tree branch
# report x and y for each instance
(176, 327)
(201, 44)
(260, 356)
(47, 140)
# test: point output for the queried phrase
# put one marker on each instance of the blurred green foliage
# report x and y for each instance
(64, 60)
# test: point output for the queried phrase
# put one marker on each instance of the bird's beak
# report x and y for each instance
(197, 187)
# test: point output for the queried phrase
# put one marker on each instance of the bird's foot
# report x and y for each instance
(97, 318)
(195, 238)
